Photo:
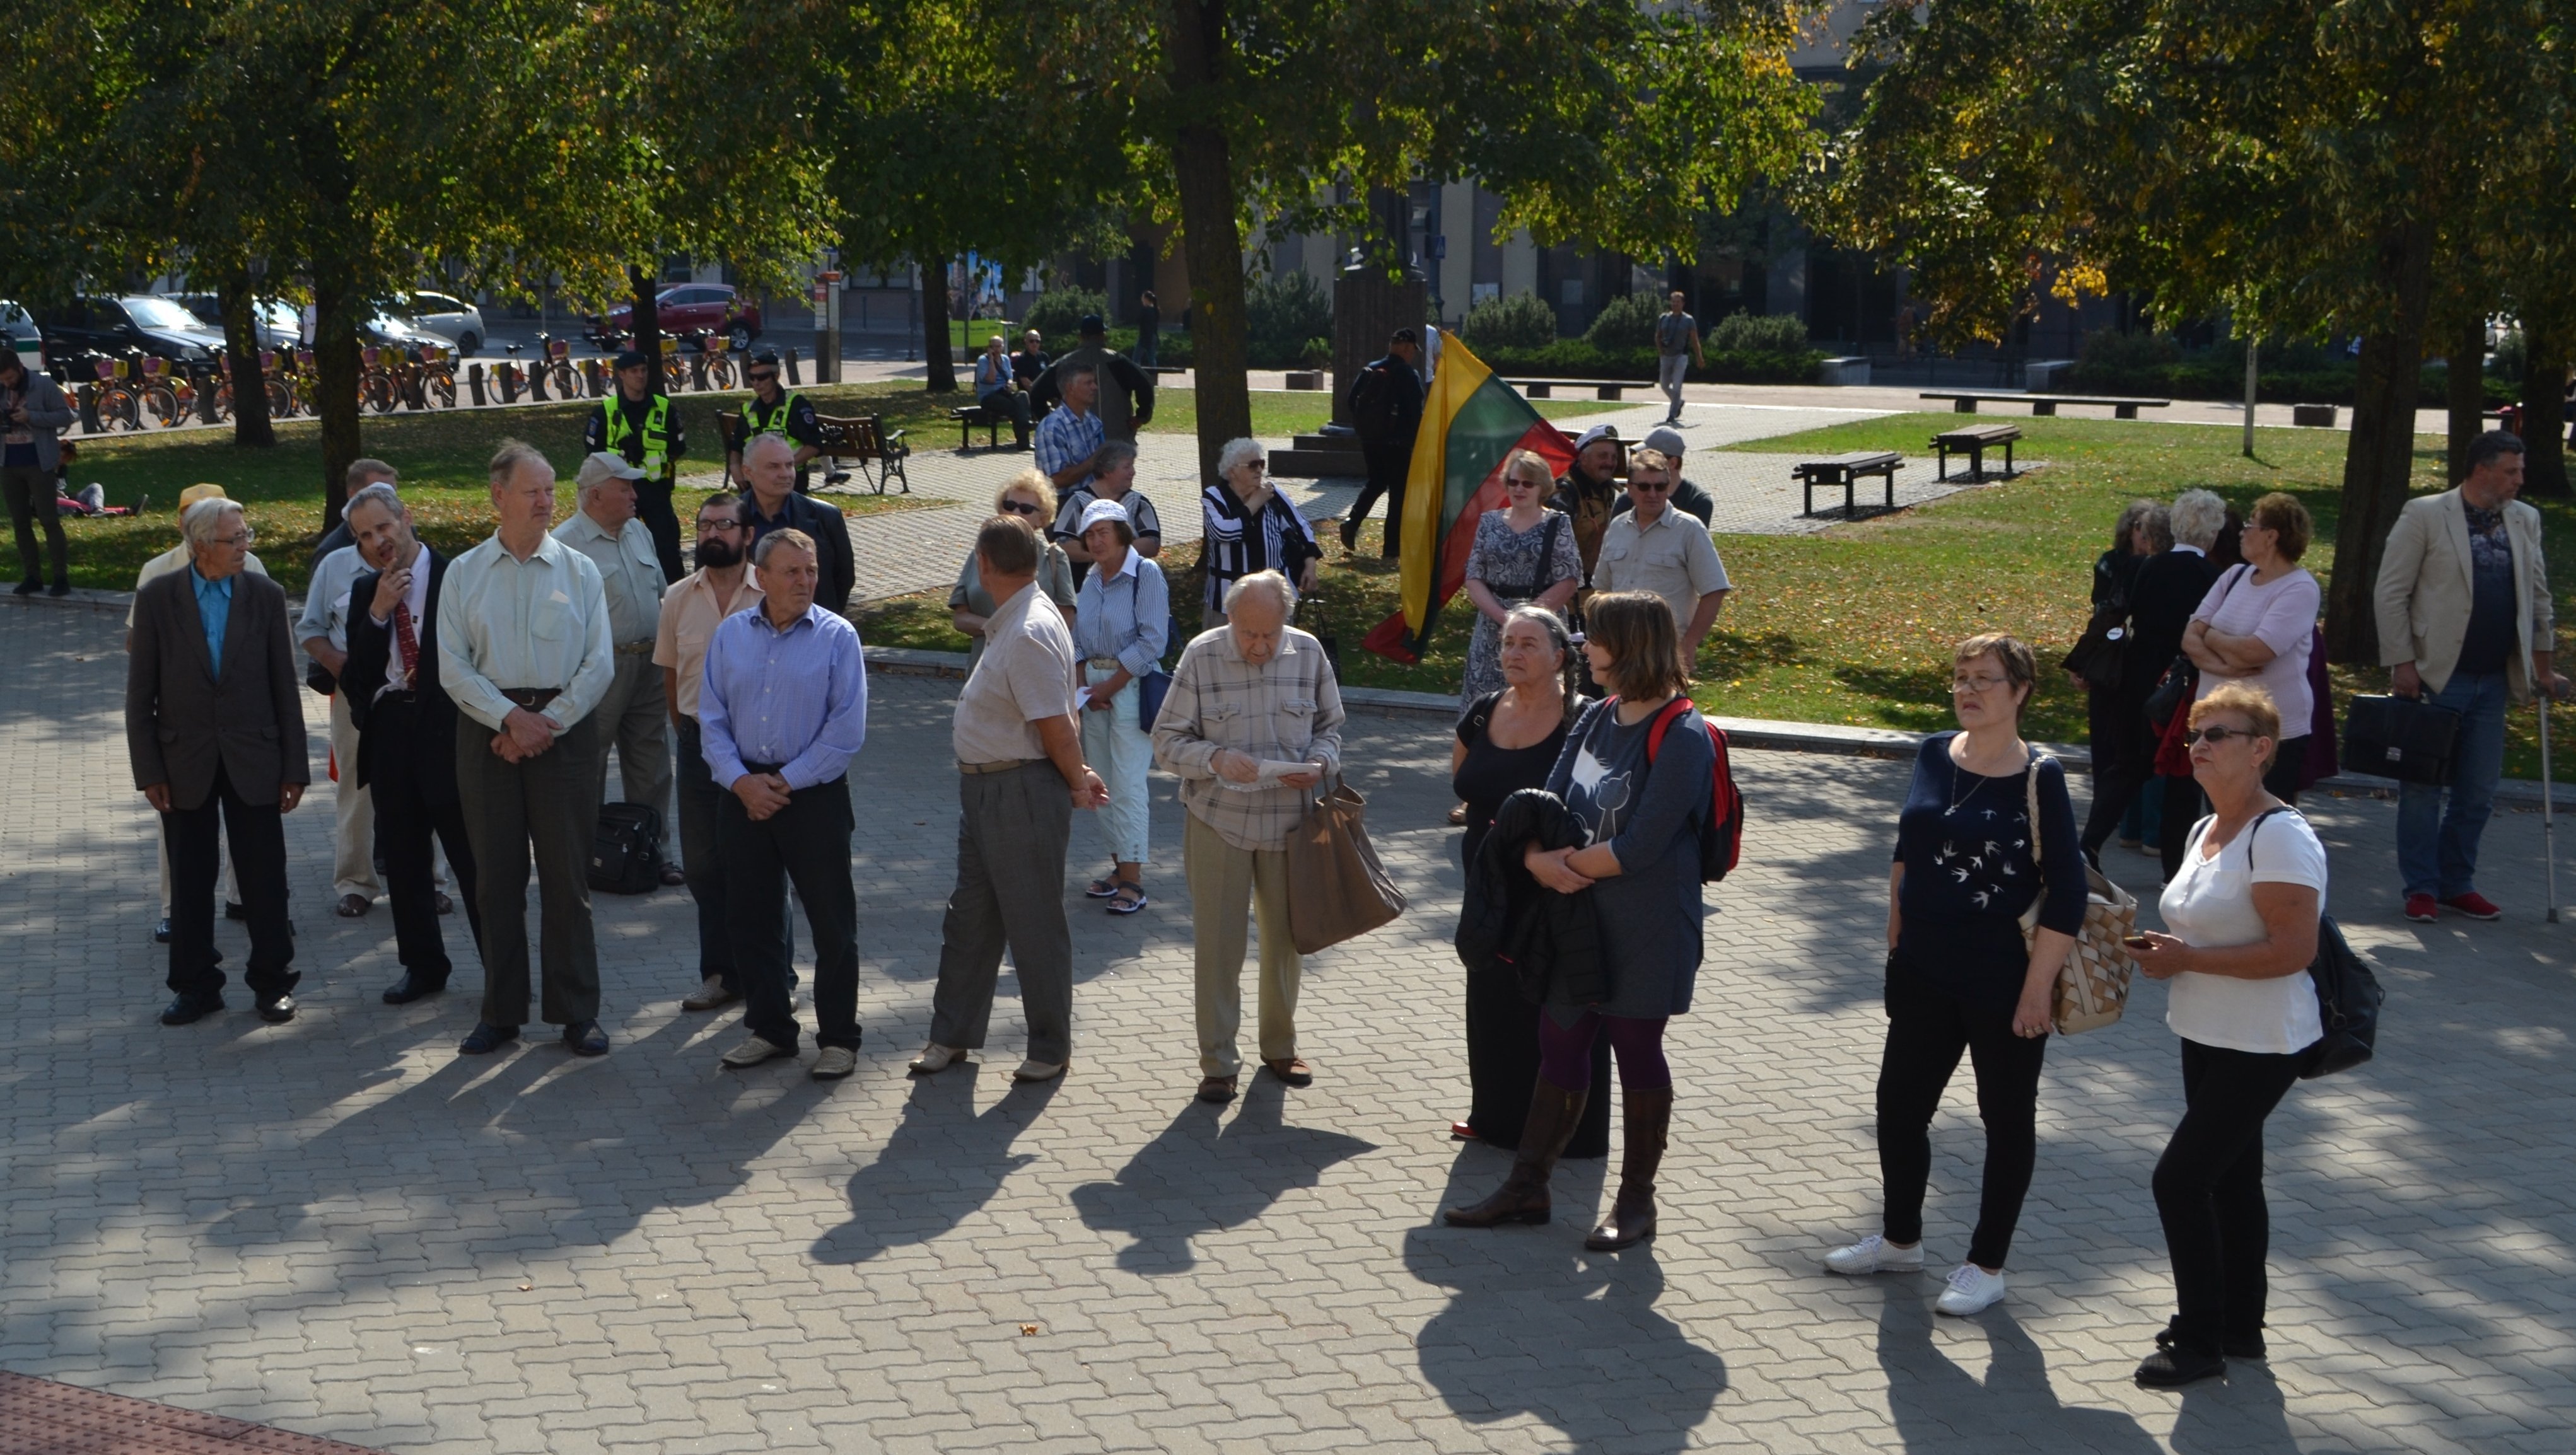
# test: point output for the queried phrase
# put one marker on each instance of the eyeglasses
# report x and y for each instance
(710, 527)
(2218, 733)
(245, 537)
(1977, 684)
(1021, 507)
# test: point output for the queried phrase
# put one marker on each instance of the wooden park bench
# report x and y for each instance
(1847, 471)
(1973, 442)
(860, 439)
(1966, 401)
(1546, 388)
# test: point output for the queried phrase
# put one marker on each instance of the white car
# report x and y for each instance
(449, 317)
(23, 334)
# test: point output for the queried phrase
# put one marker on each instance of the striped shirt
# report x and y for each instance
(1237, 544)
(1288, 709)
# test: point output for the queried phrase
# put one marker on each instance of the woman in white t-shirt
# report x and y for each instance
(2256, 627)
(2243, 914)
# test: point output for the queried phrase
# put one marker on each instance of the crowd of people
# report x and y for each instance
(475, 703)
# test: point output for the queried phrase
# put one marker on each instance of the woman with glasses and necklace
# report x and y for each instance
(2242, 916)
(1022, 498)
(1250, 528)
(1960, 976)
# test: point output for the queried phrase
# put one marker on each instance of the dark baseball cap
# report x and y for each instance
(1091, 324)
(631, 359)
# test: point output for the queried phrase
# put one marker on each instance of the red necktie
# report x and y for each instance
(409, 641)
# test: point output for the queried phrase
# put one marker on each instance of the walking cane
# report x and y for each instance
(2548, 835)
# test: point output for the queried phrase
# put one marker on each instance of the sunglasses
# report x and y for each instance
(2218, 734)
(1651, 487)
(764, 377)
(1020, 507)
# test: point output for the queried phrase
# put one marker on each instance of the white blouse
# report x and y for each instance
(2210, 905)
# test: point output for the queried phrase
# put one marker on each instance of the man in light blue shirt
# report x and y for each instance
(524, 652)
(323, 628)
(782, 709)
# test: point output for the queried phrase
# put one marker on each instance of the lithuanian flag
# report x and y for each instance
(1471, 423)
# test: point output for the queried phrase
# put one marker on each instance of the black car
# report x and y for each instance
(155, 325)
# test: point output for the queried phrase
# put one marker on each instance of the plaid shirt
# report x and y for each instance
(1065, 439)
(1288, 708)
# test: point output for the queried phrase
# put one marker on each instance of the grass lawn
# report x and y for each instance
(1855, 625)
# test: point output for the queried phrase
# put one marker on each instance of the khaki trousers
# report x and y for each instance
(1226, 882)
(353, 827)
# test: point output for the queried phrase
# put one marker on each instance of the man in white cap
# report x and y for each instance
(634, 713)
(1588, 490)
(1688, 498)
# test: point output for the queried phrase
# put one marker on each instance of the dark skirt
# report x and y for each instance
(1502, 1067)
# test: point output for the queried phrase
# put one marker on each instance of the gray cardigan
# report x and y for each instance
(48, 414)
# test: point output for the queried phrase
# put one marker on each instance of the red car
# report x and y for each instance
(687, 308)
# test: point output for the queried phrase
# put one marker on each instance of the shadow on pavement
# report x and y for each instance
(1938, 1404)
(1200, 1177)
(942, 1163)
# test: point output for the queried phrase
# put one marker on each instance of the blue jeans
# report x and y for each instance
(2145, 820)
(2437, 851)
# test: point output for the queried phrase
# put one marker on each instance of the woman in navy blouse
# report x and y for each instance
(1960, 975)
(1641, 818)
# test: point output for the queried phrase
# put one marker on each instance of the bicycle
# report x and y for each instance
(116, 405)
(713, 369)
(433, 381)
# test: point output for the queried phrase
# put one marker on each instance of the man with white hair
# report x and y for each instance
(634, 713)
(1248, 696)
(217, 741)
(524, 652)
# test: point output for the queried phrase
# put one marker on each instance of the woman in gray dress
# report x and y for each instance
(1523, 555)
(1641, 865)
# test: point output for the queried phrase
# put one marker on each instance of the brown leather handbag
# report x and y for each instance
(1337, 889)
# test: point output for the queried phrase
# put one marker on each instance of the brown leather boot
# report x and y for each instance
(1553, 1113)
(1649, 1116)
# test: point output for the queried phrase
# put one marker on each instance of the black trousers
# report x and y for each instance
(31, 493)
(1388, 464)
(700, 801)
(806, 844)
(1928, 1026)
(408, 817)
(2124, 763)
(2209, 1192)
(257, 833)
(653, 507)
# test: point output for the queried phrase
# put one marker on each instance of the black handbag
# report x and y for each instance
(2172, 691)
(2401, 738)
(626, 849)
(2102, 653)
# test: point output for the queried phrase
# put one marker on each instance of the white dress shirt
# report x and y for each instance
(538, 623)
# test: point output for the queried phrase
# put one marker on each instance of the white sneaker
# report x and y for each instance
(754, 1051)
(835, 1062)
(1875, 1254)
(1972, 1290)
(936, 1057)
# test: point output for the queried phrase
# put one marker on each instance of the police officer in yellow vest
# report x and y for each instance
(644, 429)
(772, 409)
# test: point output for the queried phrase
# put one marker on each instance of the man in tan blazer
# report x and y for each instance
(2464, 623)
(216, 734)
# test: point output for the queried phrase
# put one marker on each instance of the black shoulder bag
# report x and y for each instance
(2348, 995)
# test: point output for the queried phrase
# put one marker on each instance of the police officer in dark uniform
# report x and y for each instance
(774, 409)
(1386, 410)
(644, 429)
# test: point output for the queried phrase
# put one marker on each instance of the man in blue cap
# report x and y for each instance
(643, 428)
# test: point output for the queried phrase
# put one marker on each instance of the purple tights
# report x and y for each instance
(1565, 1052)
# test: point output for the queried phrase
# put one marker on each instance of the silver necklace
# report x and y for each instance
(1960, 800)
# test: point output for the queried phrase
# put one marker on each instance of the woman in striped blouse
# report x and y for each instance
(1251, 527)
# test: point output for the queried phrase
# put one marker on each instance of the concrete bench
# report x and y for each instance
(1610, 389)
(1973, 442)
(1966, 401)
(1847, 471)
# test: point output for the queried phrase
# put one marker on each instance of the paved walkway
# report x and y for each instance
(341, 1228)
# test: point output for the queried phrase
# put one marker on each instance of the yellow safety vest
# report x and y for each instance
(657, 433)
(756, 422)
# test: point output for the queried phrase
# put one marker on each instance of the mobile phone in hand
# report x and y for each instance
(2137, 942)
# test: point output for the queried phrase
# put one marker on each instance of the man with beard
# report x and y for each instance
(691, 611)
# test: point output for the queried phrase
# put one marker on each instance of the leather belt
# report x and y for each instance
(1004, 765)
(534, 699)
(643, 648)
(1105, 664)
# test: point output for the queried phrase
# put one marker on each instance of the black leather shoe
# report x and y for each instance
(486, 1038)
(236, 911)
(412, 987)
(2234, 1346)
(26, 588)
(279, 1011)
(189, 1009)
(2172, 1368)
(59, 589)
(585, 1038)
(161, 931)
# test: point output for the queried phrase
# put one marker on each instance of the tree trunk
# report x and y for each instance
(939, 360)
(2544, 408)
(335, 366)
(645, 324)
(2467, 398)
(251, 427)
(1194, 41)
(2379, 456)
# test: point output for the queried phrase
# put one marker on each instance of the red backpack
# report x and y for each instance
(1721, 834)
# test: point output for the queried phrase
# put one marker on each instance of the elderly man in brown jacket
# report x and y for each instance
(216, 734)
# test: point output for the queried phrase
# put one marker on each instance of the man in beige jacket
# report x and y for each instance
(2464, 623)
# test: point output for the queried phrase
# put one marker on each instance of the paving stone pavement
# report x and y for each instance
(340, 1227)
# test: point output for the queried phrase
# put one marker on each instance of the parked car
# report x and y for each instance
(143, 321)
(389, 330)
(24, 336)
(686, 308)
(449, 317)
(277, 324)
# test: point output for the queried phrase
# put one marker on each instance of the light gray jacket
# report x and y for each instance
(48, 414)
(2427, 586)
